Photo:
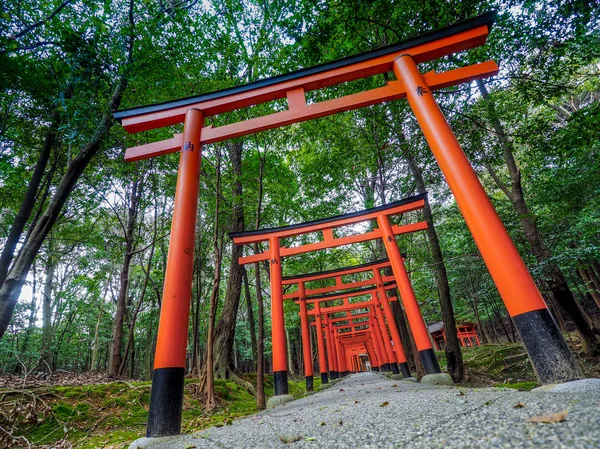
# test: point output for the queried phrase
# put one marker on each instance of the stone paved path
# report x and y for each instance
(370, 411)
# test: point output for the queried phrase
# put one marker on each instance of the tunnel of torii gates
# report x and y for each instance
(389, 356)
(547, 350)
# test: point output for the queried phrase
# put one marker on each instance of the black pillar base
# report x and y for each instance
(375, 368)
(429, 361)
(334, 375)
(395, 369)
(386, 367)
(405, 370)
(280, 383)
(166, 402)
(548, 352)
(324, 378)
(309, 383)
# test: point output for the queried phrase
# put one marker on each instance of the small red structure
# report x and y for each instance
(467, 335)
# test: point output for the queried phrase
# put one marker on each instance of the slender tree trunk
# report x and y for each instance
(132, 212)
(454, 360)
(47, 311)
(94, 362)
(553, 276)
(10, 290)
(16, 229)
(260, 343)
(209, 388)
(250, 313)
(225, 330)
(590, 284)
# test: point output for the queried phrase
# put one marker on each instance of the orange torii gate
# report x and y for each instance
(317, 311)
(391, 356)
(547, 349)
(372, 267)
(379, 298)
(386, 232)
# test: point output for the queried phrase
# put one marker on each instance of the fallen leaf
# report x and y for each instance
(395, 385)
(190, 446)
(289, 439)
(340, 423)
(519, 405)
(323, 423)
(310, 439)
(219, 424)
(356, 402)
(460, 393)
(341, 389)
(385, 404)
(553, 418)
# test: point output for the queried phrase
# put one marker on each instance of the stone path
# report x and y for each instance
(370, 411)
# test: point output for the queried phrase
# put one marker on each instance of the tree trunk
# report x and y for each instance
(16, 229)
(225, 331)
(590, 285)
(250, 313)
(209, 387)
(117, 341)
(47, 312)
(11, 288)
(553, 276)
(260, 343)
(454, 360)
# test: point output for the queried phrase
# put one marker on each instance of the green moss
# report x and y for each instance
(521, 386)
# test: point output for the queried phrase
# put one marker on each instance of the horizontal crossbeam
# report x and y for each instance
(340, 286)
(392, 91)
(425, 47)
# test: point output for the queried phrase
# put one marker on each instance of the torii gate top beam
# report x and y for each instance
(424, 47)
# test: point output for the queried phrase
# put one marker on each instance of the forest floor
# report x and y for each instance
(90, 410)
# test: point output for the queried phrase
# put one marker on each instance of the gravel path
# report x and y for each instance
(370, 411)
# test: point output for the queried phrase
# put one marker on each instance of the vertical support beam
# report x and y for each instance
(280, 381)
(391, 322)
(381, 354)
(549, 354)
(387, 345)
(340, 356)
(330, 353)
(372, 356)
(413, 313)
(321, 346)
(166, 399)
(306, 349)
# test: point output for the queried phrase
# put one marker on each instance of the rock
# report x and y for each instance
(388, 374)
(174, 441)
(396, 377)
(410, 379)
(576, 386)
(323, 386)
(279, 400)
(438, 379)
(309, 393)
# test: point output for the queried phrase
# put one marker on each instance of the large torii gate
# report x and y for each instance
(545, 345)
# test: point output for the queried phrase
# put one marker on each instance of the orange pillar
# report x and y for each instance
(166, 399)
(306, 350)
(371, 353)
(413, 313)
(331, 362)
(280, 382)
(321, 345)
(340, 355)
(391, 364)
(391, 322)
(549, 353)
(381, 354)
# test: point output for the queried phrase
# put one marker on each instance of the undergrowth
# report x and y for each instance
(112, 415)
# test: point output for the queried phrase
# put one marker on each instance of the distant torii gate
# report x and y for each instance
(547, 349)
(377, 279)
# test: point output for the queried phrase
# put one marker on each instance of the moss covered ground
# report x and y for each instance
(112, 415)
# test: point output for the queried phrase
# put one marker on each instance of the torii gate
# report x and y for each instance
(545, 345)
(374, 268)
(391, 356)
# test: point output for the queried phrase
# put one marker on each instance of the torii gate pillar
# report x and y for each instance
(550, 356)
(166, 399)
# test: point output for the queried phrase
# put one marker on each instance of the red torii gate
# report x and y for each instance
(386, 232)
(378, 280)
(547, 349)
